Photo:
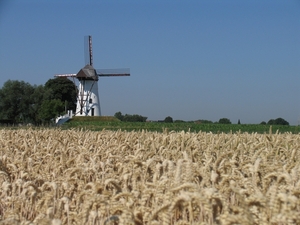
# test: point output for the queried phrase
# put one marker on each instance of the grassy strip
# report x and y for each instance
(97, 125)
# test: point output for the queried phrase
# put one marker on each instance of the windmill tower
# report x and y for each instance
(88, 103)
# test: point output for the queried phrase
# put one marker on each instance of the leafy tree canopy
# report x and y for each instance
(130, 118)
(22, 102)
(50, 109)
(119, 116)
(278, 121)
(15, 101)
(134, 118)
(168, 119)
(224, 121)
(62, 89)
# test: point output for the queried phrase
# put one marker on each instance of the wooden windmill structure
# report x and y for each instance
(88, 103)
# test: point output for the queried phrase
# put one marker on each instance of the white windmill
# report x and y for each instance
(88, 103)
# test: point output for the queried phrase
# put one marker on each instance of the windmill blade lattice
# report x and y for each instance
(88, 52)
(113, 72)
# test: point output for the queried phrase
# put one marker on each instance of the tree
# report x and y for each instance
(130, 118)
(15, 101)
(281, 121)
(224, 121)
(239, 122)
(278, 121)
(134, 118)
(168, 119)
(50, 109)
(61, 89)
(119, 116)
(37, 99)
(22, 102)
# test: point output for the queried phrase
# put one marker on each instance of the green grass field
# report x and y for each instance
(111, 123)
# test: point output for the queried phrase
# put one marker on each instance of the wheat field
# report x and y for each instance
(53, 176)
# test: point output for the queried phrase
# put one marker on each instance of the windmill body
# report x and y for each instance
(88, 102)
(88, 96)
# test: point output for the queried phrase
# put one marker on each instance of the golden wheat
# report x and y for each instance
(113, 177)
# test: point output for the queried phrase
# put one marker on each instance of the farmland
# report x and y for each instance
(58, 176)
(109, 123)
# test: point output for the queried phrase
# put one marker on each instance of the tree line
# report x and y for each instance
(130, 118)
(21, 102)
(169, 119)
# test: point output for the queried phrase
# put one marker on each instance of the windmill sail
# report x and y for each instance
(66, 75)
(113, 72)
(88, 53)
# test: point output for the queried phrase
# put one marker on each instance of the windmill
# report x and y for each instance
(88, 103)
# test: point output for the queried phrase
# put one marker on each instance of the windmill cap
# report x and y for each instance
(88, 73)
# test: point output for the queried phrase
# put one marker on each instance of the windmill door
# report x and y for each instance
(93, 111)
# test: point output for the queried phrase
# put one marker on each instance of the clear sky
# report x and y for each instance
(189, 60)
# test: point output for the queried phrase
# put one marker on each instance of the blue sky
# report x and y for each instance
(188, 59)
